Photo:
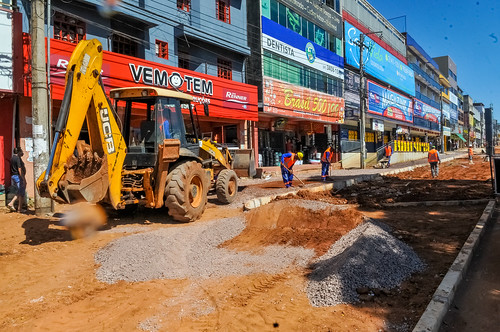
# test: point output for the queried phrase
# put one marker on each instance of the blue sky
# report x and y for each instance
(467, 31)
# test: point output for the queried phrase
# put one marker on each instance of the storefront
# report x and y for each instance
(232, 105)
(294, 118)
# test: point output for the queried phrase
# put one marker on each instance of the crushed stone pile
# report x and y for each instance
(368, 256)
(316, 205)
(191, 251)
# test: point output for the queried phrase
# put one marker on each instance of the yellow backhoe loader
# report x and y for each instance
(136, 152)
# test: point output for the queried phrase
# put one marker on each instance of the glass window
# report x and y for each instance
(224, 69)
(293, 21)
(282, 15)
(223, 10)
(161, 49)
(320, 36)
(123, 45)
(170, 120)
(310, 30)
(68, 28)
(274, 11)
(184, 4)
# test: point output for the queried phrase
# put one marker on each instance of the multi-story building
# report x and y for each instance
(479, 123)
(468, 119)
(297, 63)
(427, 101)
(389, 86)
(199, 47)
(448, 69)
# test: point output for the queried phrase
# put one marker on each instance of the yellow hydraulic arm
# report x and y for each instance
(223, 157)
(84, 97)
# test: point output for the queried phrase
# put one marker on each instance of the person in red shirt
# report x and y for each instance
(433, 159)
(388, 154)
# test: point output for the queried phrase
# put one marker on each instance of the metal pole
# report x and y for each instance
(442, 121)
(39, 102)
(361, 104)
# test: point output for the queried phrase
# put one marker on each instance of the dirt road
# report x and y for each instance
(49, 282)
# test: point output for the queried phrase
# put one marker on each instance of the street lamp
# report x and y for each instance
(362, 94)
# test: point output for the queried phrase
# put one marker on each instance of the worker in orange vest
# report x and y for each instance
(433, 159)
(287, 162)
(326, 160)
(471, 153)
(388, 154)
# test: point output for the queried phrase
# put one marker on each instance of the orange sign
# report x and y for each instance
(286, 99)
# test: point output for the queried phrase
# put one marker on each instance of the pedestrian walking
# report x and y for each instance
(287, 162)
(433, 159)
(18, 179)
(326, 160)
(471, 153)
(388, 154)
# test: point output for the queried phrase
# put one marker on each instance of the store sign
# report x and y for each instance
(291, 100)
(377, 125)
(291, 45)
(351, 94)
(378, 62)
(402, 130)
(427, 112)
(227, 99)
(446, 131)
(453, 98)
(446, 111)
(6, 52)
(389, 104)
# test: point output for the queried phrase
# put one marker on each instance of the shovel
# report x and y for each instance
(303, 184)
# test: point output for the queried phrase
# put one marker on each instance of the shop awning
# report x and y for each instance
(460, 136)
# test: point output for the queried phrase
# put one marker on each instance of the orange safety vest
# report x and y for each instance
(289, 161)
(388, 151)
(471, 152)
(324, 159)
(432, 156)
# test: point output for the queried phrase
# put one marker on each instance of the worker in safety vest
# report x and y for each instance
(388, 154)
(433, 159)
(326, 160)
(471, 153)
(287, 162)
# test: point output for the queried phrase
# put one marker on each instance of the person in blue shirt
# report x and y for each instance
(287, 162)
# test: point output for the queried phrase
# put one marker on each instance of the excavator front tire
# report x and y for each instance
(226, 186)
(186, 191)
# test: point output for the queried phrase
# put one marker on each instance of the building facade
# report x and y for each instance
(297, 63)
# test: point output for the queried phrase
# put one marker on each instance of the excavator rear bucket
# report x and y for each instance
(244, 163)
(87, 179)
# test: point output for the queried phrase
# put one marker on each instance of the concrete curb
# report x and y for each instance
(337, 185)
(438, 203)
(433, 315)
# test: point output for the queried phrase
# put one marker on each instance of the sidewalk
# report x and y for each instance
(476, 306)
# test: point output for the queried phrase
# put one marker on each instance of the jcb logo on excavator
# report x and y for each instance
(106, 130)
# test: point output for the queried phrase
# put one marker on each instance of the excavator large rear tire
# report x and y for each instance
(226, 186)
(186, 191)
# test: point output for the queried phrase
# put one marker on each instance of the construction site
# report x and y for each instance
(364, 257)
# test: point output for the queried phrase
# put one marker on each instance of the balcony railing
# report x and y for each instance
(426, 76)
(427, 100)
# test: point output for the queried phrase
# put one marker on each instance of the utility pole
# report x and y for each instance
(442, 121)
(361, 104)
(39, 102)
(362, 95)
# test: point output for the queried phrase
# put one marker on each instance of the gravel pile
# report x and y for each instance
(368, 256)
(190, 251)
(317, 205)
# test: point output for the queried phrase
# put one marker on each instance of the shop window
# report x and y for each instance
(369, 137)
(123, 45)
(353, 135)
(224, 69)
(161, 49)
(68, 28)
(184, 5)
(223, 10)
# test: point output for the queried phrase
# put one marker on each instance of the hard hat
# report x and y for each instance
(300, 155)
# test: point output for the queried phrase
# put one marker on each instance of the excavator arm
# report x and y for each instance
(209, 149)
(85, 172)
